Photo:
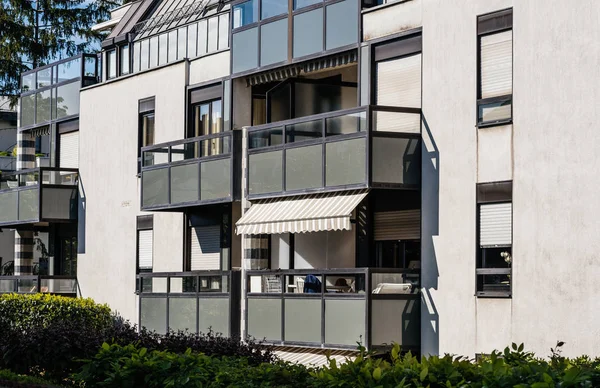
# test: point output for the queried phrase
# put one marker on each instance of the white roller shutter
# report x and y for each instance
(495, 224)
(145, 242)
(399, 82)
(398, 225)
(205, 248)
(496, 64)
(69, 150)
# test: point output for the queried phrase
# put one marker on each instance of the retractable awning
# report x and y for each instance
(301, 214)
(313, 357)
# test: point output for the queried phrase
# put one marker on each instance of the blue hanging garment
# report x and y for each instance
(312, 285)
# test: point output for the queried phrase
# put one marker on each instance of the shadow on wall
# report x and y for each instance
(81, 219)
(430, 190)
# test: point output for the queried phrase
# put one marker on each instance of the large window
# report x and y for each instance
(208, 242)
(145, 247)
(207, 118)
(494, 100)
(494, 253)
(146, 124)
(111, 64)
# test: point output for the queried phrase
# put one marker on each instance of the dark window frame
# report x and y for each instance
(143, 223)
(146, 107)
(116, 52)
(490, 24)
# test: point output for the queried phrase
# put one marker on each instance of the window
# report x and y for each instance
(145, 248)
(111, 64)
(494, 250)
(494, 100)
(245, 13)
(146, 125)
(271, 8)
(207, 119)
(208, 243)
(124, 59)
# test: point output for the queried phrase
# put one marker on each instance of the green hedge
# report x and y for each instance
(10, 379)
(116, 366)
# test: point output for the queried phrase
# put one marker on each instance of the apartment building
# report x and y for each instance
(322, 173)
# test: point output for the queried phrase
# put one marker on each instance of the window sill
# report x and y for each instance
(493, 295)
(494, 123)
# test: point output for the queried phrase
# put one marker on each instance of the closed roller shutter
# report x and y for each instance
(495, 224)
(145, 249)
(399, 82)
(496, 64)
(398, 225)
(69, 150)
(205, 248)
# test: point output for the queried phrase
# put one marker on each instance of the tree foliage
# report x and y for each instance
(37, 32)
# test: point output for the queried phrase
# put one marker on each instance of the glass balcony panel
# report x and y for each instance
(265, 172)
(274, 42)
(63, 178)
(303, 320)
(8, 286)
(29, 204)
(58, 286)
(304, 167)
(182, 284)
(396, 122)
(155, 191)
(184, 183)
(183, 152)
(28, 82)
(8, 206)
(27, 286)
(72, 69)
(245, 50)
(215, 179)
(403, 327)
(396, 160)
(182, 314)
(216, 146)
(44, 77)
(265, 138)
(156, 156)
(153, 314)
(28, 110)
(59, 203)
(213, 283)
(245, 13)
(308, 33)
(345, 162)
(345, 321)
(264, 318)
(213, 313)
(342, 29)
(495, 111)
(309, 130)
(395, 283)
(67, 100)
(345, 284)
(343, 125)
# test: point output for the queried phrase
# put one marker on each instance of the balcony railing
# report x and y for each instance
(335, 308)
(194, 301)
(36, 195)
(347, 149)
(193, 171)
(31, 284)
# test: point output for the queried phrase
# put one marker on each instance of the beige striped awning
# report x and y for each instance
(301, 214)
(312, 357)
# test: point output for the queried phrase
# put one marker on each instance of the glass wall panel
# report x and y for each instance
(125, 59)
(44, 103)
(67, 100)
(29, 204)
(274, 42)
(172, 56)
(265, 138)
(154, 51)
(28, 110)
(264, 318)
(245, 50)
(223, 31)
(68, 70)
(273, 8)
(144, 54)
(245, 13)
(304, 3)
(213, 313)
(396, 160)
(181, 43)
(309, 130)
(344, 321)
(28, 82)
(182, 314)
(202, 36)
(308, 34)
(213, 34)
(8, 206)
(44, 77)
(304, 167)
(155, 191)
(303, 320)
(345, 162)
(215, 179)
(163, 49)
(342, 24)
(111, 64)
(184, 183)
(350, 123)
(192, 40)
(136, 56)
(153, 314)
(265, 172)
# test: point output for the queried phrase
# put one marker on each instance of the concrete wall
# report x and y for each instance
(549, 154)
(111, 190)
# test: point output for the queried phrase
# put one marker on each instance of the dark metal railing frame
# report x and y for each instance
(38, 281)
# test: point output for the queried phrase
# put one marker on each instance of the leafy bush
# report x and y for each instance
(10, 379)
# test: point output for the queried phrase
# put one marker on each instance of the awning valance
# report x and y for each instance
(301, 214)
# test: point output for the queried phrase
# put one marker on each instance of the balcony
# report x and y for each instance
(335, 308)
(190, 172)
(38, 195)
(363, 147)
(195, 301)
(31, 284)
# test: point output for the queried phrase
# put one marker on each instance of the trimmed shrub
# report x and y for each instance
(10, 379)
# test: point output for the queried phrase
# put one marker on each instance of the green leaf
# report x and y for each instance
(521, 347)
(143, 352)
(424, 373)
(377, 374)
